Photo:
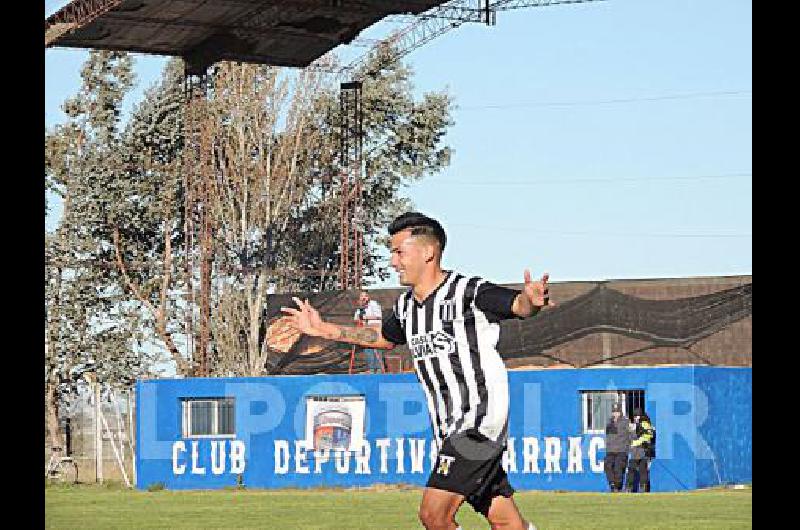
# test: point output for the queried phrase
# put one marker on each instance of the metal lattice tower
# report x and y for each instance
(197, 174)
(423, 28)
(351, 262)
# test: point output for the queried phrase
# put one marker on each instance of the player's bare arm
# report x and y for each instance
(307, 320)
(533, 297)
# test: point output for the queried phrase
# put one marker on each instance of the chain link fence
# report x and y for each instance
(101, 440)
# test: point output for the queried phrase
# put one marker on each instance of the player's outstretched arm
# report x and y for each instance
(307, 320)
(533, 297)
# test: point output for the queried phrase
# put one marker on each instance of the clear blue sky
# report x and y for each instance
(595, 141)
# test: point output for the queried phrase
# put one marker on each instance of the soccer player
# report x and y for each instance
(450, 323)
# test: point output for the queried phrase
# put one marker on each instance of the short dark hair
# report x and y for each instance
(420, 225)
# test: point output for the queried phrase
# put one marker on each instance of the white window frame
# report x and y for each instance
(622, 398)
(186, 417)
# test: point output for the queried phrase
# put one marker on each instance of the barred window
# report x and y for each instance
(203, 417)
(596, 406)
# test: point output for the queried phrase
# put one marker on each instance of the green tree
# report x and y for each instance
(263, 123)
(143, 229)
(87, 328)
(277, 191)
(272, 142)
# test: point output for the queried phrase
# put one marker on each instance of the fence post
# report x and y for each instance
(131, 434)
(98, 435)
(114, 447)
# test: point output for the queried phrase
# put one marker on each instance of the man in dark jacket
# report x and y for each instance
(618, 439)
(643, 451)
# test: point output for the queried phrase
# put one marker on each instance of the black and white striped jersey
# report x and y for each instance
(453, 337)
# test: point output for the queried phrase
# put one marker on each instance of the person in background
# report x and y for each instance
(618, 441)
(642, 453)
(369, 313)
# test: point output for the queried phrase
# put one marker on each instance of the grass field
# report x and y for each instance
(88, 506)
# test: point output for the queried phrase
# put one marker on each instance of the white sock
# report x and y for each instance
(531, 527)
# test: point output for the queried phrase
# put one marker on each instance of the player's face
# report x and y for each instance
(408, 257)
(363, 299)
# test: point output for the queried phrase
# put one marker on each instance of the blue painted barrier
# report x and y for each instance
(703, 417)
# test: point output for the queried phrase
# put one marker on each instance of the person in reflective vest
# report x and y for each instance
(643, 451)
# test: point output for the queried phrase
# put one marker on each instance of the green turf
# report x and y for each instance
(104, 507)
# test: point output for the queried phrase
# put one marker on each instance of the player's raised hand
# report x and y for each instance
(538, 292)
(306, 319)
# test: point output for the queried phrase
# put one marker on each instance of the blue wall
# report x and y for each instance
(699, 412)
(724, 410)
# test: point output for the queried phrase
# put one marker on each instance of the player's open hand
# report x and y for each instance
(538, 292)
(306, 319)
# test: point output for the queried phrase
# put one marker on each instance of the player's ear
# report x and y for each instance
(430, 253)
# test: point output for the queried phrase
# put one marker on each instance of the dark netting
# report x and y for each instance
(337, 307)
(678, 323)
(332, 360)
